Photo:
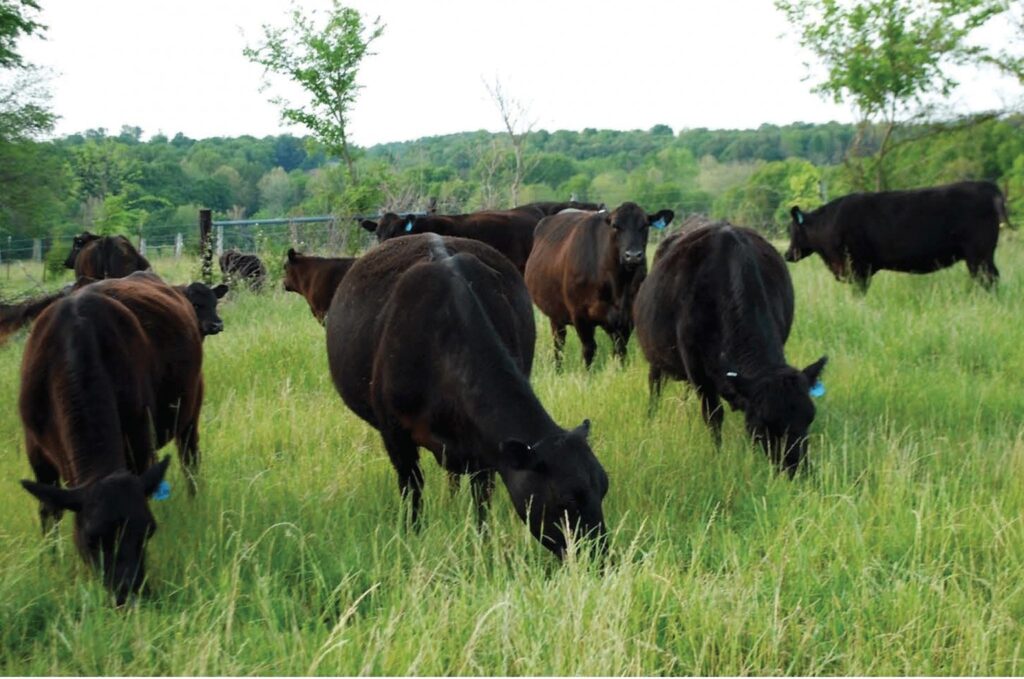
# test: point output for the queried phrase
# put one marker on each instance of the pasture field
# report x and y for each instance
(899, 551)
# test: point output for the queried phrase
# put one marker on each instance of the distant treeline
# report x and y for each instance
(119, 183)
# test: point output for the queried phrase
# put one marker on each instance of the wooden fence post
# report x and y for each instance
(205, 246)
(179, 245)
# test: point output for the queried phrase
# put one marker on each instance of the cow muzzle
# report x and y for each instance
(633, 258)
(213, 328)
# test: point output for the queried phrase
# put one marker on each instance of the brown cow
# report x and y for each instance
(510, 232)
(431, 340)
(585, 269)
(110, 373)
(101, 257)
(243, 267)
(315, 278)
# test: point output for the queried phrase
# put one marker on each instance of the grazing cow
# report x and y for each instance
(715, 311)
(315, 278)
(585, 269)
(510, 232)
(110, 373)
(430, 340)
(86, 392)
(916, 231)
(235, 266)
(100, 257)
(548, 208)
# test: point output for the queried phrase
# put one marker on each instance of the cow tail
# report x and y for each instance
(15, 316)
(1004, 217)
(436, 248)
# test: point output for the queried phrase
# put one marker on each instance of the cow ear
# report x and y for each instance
(813, 371)
(583, 431)
(369, 225)
(220, 291)
(152, 477)
(55, 497)
(736, 385)
(292, 255)
(797, 213)
(661, 219)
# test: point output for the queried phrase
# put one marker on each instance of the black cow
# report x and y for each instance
(112, 372)
(239, 266)
(431, 340)
(585, 269)
(99, 257)
(510, 232)
(916, 231)
(715, 311)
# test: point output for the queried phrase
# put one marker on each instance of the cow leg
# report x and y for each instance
(620, 342)
(558, 334)
(405, 458)
(585, 330)
(187, 440)
(45, 473)
(984, 271)
(711, 409)
(861, 279)
(482, 484)
(655, 381)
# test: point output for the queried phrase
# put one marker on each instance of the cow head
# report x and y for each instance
(112, 523)
(557, 484)
(630, 225)
(391, 225)
(77, 243)
(204, 301)
(778, 410)
(292, 265)
(799, 245)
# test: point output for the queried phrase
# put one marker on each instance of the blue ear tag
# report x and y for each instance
(163, 491)
(817, 389)
(660, 224)
(799, 217)
(408, 226)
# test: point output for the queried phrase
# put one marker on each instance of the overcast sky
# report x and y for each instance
(177, 66)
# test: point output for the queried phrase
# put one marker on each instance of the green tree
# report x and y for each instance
(887, 57)
(324, 61)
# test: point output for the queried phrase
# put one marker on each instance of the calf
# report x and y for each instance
(430, 340)
(716, 311)
(100, 257)
(315, 278)
(916, 231)
(510, 232)
(585, 269)
(239, 266)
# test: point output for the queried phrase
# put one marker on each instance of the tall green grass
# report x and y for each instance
(899, 551)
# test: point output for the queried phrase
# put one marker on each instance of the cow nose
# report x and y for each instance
(633, 256)
(214, 328)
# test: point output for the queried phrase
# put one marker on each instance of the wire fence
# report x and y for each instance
(323, 234)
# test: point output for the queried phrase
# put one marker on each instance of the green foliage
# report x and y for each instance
(324, 62)
(886, 57)
(764, 201)
(17, 19)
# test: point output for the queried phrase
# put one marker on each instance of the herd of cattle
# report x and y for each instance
(431, 339)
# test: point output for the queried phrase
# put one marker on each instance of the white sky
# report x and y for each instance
(177, 65)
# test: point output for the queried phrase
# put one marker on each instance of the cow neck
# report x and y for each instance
(91, 424)
(497, 399)
(752, 345)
